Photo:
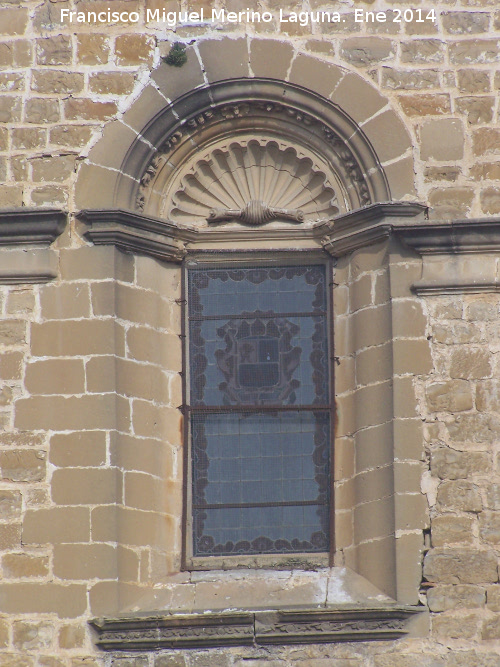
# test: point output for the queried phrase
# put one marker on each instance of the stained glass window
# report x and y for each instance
(259, 410)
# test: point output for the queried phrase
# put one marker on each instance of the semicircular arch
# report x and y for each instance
(335, 118)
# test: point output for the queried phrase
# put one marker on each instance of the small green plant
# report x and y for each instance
(177, 55)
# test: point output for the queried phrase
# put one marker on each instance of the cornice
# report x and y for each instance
(369, 225)
(476, 235)
(239, 628)
(34, 226)
(134, 232)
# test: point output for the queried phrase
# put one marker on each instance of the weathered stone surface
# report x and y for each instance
(30, 636)
(134, 49)
(470, 364)
(422, 51)
(465, 23)
(471, 51)
(489, 527)
(71, 636)
(445, 597)
(456, 332)
(23, 465)
(10, 504)
(363, 51)
(112, 83)
(54, 50)
(56, 168)
(482, 311)
(21, 566)
(493, 496)
(456, 626)
(486, 141)
(396, 79)
(459, 496)
(452, 201)
(442, 139)
(473, 81)
(447, 463)
(87, 109)
(57, 81)
(477, 428)
(425, 104)
(41, 110)
(92, 49)
(452, 396)
(479, 110)
(70, 135)
(13, 21)
(490, 200)
(460, 566)
(10, 109)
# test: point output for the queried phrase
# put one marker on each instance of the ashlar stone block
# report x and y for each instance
(460, 566)
(442, 139)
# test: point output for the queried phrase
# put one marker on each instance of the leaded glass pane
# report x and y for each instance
(260, 477)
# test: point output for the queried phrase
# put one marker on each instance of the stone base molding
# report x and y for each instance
(240, 628)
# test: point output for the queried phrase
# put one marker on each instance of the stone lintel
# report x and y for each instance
(238, 628)
(31, 226)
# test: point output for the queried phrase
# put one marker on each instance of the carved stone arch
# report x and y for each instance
(221, 143)
(328, 115)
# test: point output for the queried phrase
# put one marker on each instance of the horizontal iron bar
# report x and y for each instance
(291, 503)
(255, 408)
(254, 316)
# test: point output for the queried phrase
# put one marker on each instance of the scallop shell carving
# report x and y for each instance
(253, 182)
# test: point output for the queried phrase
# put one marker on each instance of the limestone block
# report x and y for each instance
(364, 51)
(422, 51)
(489, 527)
(460, 566)
(442, 139)
(92, 49)
(451, 396)
(55, 50)
(459, 496)
(470, 364)
(450, 529)
(447, 463)
(445, 597)
(465, 23)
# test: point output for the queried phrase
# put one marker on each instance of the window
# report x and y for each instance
(259, 410)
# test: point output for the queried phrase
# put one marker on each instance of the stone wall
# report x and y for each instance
(90, 433)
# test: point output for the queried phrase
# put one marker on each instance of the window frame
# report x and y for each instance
(255, 257)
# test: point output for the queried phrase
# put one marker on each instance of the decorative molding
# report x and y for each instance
(255, 213)
(476, 235)
(448, 249)
(369, 225)
(24, 227)
(239, 628)
(31, 226)
(136, 233)
(242, 110)
(252, 179)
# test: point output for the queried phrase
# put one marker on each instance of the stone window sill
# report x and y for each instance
(245, 607)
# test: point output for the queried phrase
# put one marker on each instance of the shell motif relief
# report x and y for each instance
(253, 182)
